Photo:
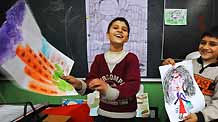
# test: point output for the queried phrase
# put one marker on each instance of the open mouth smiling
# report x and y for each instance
(118, 35)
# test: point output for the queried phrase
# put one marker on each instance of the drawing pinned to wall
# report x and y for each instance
(175, 16)
(34, 64)
(181, 93)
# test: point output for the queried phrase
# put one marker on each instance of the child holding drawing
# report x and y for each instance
(206, 75)
(116, 75)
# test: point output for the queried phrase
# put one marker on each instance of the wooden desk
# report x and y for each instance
(57, 118)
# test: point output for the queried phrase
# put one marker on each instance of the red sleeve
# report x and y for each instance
(94, 70)
(132, 78)
(93, 73)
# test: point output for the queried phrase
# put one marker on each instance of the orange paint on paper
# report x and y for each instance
(36, 76)
(42, 89)
(44, 59)
(32, 60)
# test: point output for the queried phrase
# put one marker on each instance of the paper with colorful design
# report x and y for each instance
(34, 63)
(181, 93)
(175, 16)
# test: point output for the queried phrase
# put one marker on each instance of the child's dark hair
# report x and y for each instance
(122, 19)
(213, 32)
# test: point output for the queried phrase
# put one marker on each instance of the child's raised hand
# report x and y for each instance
(168, 61)
(99, 85)
(73, 81)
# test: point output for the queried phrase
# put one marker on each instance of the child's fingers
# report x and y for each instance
(168, 61)
(73, 81)
(94, 83)
(64, 77)
(98, 85)
(68, 78)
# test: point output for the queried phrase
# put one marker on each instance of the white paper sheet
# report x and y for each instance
(181, 93)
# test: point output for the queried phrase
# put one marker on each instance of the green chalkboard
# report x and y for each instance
(180, 40)
(63, 23)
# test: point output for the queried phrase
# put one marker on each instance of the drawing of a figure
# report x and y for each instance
(178, 88)
(177, 14)
(180, 100)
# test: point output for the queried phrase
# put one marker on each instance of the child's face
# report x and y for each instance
(208, 48)
(118, 33)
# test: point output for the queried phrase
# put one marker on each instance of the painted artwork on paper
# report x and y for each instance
(27, 56)
(175, 16)
(181, 93)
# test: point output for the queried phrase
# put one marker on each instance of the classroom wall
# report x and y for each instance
(10, 93)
